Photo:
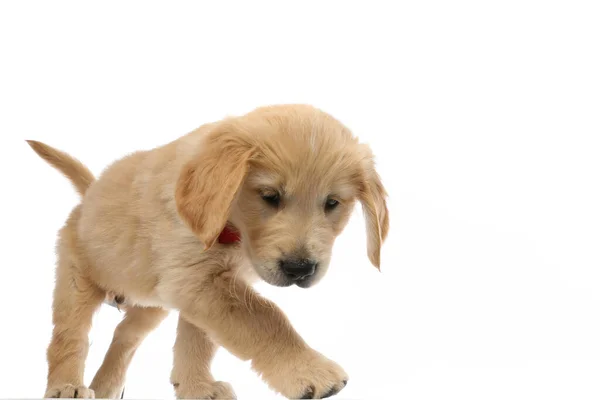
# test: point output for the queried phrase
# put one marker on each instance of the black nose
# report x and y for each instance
(298, 269)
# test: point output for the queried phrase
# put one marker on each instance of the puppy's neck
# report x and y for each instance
(229, 235)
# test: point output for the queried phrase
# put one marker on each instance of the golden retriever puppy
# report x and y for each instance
(189, 226)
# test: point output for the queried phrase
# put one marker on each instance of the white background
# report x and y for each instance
(485, 120)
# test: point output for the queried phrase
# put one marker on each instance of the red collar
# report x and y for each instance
(229, 235)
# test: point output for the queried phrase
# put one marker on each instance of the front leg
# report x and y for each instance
(192, 356)
(253, 328)
(109, 381)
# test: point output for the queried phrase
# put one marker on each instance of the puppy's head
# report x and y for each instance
(287, 177)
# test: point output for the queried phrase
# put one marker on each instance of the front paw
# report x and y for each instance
(68, 391)
(204, 390)
(309, 375)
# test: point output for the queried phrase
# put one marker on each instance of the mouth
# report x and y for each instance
(304, 283)
(280, 280)
(286, 282)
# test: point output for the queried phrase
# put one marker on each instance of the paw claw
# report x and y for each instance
(205, 390)
(69, 392)
(330, 393)
(309, 394)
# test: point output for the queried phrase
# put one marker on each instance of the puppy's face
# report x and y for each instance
(289, 217)
(287, 177)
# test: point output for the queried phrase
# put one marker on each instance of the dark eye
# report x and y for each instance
(330, 204)
(272, 199)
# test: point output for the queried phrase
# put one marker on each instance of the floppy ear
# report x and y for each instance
(372, 196)
(208, 184)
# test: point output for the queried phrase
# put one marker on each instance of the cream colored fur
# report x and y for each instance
(147, 231)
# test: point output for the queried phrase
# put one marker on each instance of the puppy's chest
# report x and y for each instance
(192, 266)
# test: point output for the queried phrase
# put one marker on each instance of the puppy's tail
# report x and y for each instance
(79, 175)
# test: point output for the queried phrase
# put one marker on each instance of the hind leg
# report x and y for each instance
(137, 324)
(76, 299)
